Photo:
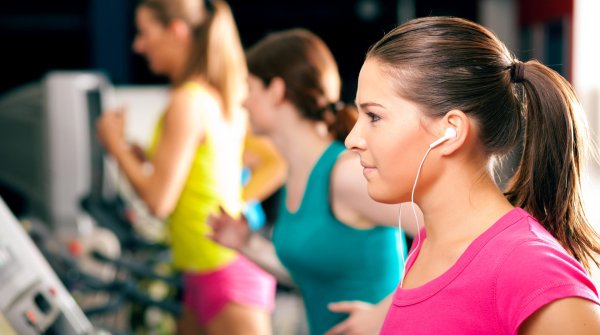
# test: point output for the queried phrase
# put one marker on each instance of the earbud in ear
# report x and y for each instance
(450, 133)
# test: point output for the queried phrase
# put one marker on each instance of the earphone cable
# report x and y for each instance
(412, 199)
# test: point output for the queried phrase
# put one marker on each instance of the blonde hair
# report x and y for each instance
(217, 54)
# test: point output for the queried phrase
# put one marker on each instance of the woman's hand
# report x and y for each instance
(138, 152)
(229, 232)
(364, 318)
(111, 129)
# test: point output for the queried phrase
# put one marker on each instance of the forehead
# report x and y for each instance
(377, 86)
(254, 81)
(373, 82)
(145, 15)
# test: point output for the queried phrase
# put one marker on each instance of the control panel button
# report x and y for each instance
(42, 303)
(31, 317)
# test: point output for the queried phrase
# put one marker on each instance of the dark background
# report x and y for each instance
(41, 35)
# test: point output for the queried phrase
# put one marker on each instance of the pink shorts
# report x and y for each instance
(241, 282)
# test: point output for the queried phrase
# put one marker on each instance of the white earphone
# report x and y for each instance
(450, 133)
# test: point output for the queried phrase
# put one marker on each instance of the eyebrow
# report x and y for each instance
(368, 104)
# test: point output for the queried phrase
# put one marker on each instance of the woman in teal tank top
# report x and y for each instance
(329, 260)
(330, 238)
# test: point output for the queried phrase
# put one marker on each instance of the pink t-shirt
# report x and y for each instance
(506, 274)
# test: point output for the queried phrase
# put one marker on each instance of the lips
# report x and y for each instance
(366, 165)
(367, 169)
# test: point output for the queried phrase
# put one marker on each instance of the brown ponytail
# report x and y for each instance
(547, 182)
(444, 63)
(310, 73)
(341, 120)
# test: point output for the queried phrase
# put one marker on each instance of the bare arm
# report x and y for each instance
(350, 197)
(138, 152)
(235, 234)
(268, 168)
(182, 132)
(564, 316)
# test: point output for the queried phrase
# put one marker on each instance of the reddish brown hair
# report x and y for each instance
(310, 73)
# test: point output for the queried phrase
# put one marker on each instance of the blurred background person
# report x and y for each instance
(328, 237)
(196, 160)
(265, 165)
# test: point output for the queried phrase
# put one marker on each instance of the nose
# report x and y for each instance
(355, 141)
(245, 102)
(136, 46)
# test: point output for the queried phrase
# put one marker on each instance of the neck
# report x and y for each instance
(176, 73)
(179, 62)
(461, 205)
(298, 140)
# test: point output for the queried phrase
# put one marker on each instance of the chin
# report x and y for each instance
(155, 69)
(383, 196)
(258, 130)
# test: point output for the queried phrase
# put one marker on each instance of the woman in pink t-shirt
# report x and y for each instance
(440, 99)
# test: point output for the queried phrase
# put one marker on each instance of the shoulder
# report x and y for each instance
(191, 103)
(532, 251)
(528, 243)
(535, 272)
(197, 94)
(350, 198)
(538, 263)
(346, 174)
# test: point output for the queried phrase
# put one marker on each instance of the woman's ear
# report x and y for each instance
(461, 123)
(179, 29)
(276, 90)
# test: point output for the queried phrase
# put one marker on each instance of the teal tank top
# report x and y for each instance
(329, 260)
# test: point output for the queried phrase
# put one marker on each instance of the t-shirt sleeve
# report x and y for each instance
(534, 275)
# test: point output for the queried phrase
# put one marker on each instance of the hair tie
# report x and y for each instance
(517, 72)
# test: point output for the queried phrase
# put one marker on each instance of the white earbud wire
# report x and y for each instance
(412, 199)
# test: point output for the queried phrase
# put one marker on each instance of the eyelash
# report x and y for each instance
(374, 117)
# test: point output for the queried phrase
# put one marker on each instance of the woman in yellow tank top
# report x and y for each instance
(196, 158)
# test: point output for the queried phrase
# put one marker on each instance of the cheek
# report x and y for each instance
(388, 152)
(395, 159)
(153, 50)
(138, 45)
(252, 112)
(258, 117)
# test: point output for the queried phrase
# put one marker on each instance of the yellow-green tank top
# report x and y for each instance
(214, 179)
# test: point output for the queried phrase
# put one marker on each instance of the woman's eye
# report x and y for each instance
(373, 117)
